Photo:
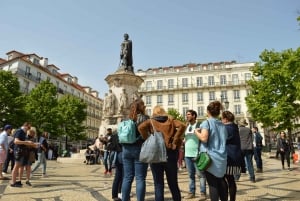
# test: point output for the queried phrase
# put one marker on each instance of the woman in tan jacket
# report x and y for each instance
(173, 133)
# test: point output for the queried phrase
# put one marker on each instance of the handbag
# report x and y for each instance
(154, 149)
(203, 159)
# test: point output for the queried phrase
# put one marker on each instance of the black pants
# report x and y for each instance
(218, 188)
(285, 155)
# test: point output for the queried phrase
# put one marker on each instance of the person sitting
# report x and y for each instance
(89, 156)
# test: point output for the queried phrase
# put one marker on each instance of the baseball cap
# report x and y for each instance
(6, 127)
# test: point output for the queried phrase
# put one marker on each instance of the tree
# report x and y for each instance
(274, 97)
(11, 100)
(72, 113)
(175, 114)
(41, 104)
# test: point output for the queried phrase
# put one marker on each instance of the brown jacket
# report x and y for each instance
(172, 130)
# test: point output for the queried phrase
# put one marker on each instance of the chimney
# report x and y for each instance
(44, 62)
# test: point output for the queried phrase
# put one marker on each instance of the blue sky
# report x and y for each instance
(83, 37)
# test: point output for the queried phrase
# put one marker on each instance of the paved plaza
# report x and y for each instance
(81, 182)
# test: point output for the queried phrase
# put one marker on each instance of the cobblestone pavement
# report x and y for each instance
(81, 182)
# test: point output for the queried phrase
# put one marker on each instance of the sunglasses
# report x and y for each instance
(190, 129)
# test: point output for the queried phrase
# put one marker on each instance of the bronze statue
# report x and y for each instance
(126, 53)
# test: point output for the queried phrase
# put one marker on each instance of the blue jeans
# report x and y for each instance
(248, 155)
(193, 170)
(257, 157)
(132, 167)
(41, 160)
(117, 183)
(108, 160)
(170, 167)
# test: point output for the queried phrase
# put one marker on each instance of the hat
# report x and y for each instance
(6, 127)
(242, 122)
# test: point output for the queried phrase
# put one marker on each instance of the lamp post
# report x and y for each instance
(224, 102)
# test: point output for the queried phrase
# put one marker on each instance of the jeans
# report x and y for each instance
(108, 160)
(192, 170)
(9, 158)
(132, 167)
(117, 183)
(257, 157)
(248, 155)
(285, 155)
(170, 168)
(218, 188)
(41, 160)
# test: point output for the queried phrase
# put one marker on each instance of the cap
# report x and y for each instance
(6, 127)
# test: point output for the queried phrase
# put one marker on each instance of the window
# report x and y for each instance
(171, 83)
(224, 95)
(185, 82)
(199, 96)
(236, 94)
(223, 80)
(185, 98)
(148, 100)
(199, 81)
(200, 111)
(148, 85)
(212, 96)
(170, 99)
(235, 79)
(36, 61)
(184, 110)
(38, 76)
(237, 109)
(159, 99)
(27, 71)
(247, 76)
(211, 81)
(159, 84)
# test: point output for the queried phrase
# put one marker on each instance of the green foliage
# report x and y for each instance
(41, 105)
(11, 100)
(275, 89)
(175, 114)
(72, 112)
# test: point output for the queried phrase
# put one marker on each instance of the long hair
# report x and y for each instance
(136, 107)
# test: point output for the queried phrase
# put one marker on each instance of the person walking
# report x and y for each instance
(10, 154)
(257, 146)
(234, 153)
(42, 150)
(118, 178)
(246, 137)
(213, 136)
(173, 132)
(191, 150)
(4, 148)
(111, 142)
(285, 150)
(132, 167)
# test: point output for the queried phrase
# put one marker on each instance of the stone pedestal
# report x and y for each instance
(121, 79)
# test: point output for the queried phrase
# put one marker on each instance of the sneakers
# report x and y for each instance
(17, 184)
(105, 172)
(28, 183)
(190, 196)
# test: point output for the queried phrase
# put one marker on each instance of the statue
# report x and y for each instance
(109, 103)
(123, 101)
(126, 53)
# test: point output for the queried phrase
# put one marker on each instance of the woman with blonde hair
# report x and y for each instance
(173, 133)
(132, 167)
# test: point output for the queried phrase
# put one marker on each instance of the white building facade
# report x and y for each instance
(31, 69)
(194, 86)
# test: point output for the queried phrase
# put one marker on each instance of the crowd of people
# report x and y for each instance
(231, 147)
(22, 150)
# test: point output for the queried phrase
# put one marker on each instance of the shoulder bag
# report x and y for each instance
(154, 149)
(203, 159)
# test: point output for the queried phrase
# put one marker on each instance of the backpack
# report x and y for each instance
(127, 132)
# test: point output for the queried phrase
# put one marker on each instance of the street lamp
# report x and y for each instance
(224, 102)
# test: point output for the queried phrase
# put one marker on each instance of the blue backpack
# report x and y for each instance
(127, 132)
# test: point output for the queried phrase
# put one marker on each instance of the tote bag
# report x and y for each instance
(154, 149)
